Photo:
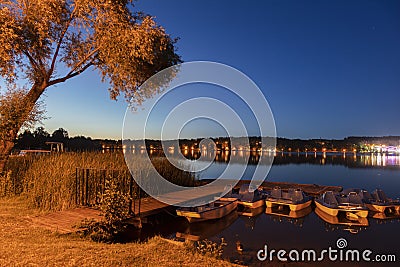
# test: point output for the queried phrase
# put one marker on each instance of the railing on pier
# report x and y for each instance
(90, 184)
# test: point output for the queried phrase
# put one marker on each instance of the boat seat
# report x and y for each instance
(296, 195)
(330, 198)
(365, 195)
(379, 195)
(244, 194)
(244, 188)
(276, 192)
(249, 197)
(354, 198)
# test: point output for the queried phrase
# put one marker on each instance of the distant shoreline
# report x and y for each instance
(41, 139)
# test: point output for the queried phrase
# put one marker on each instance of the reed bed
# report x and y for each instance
(49, 181)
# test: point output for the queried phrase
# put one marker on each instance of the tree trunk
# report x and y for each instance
(5, 150)
(7, 144)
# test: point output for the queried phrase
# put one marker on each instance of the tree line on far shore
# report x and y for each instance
(37, 139)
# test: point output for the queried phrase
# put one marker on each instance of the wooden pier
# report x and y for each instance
(310, 189)
(66, 221)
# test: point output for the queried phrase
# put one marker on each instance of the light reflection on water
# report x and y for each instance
(367, 171)
(349, 159)
(311, 231)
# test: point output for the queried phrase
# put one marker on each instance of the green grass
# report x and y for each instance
(23, 244)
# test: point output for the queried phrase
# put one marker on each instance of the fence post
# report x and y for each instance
(104, 181)
(76, 186)
(134, 200)
(130, 193)
(82, 187)
(14, 181)
(95, 182)
(139, 203)
(87, 188)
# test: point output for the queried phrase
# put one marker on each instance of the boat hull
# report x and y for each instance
(252, 205)
(250, 212)
(363, 213)
(293, 207)
(208, 214)
(340, 221)
(288, 213)
(383, 208)
(327, 210)
(207, 229)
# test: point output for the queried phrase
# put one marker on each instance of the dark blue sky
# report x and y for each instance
(329, 69)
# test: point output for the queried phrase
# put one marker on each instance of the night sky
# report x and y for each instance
(328, 69)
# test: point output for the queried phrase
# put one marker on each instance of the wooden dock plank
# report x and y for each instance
(64, 221)
(149, 206)
(311, 189)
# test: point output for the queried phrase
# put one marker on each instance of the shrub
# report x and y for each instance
(114, 208)
(208, 247)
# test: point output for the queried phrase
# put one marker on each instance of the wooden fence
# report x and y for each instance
(91, 183)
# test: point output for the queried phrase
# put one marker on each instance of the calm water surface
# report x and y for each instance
(280, 232)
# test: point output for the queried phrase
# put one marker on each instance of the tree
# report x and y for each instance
(13, 116)
(41, 137)
(126, 47)
(25, 140)
(41, 133)
(59, 135)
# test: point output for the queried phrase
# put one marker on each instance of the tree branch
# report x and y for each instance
(70, 75)
(38, 66)
(74, 72)
(53, 62)
(83, 60)
(31, 59)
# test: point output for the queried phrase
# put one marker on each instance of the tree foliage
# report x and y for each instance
(13, 113)
(60, 135)
(126, 47)
(46, 42)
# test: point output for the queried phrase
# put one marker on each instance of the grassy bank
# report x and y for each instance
(26, 245)
(48, 181)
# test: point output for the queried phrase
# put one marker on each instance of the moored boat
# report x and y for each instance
(335, 203)
(206, 229)
(342, 222)
(296, 199)
(377, 201)
(248, 197)
(210, 211)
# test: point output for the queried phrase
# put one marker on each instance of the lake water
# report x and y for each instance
(368, 171)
